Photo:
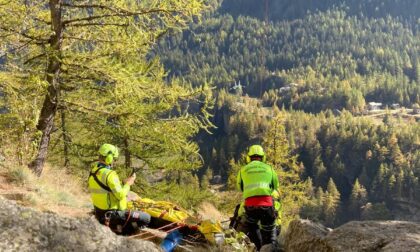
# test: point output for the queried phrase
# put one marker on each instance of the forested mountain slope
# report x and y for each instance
(346, 59)
(318, 57)
(292, 9)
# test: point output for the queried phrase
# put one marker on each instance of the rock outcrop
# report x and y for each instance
(304, 235)
(25, 229)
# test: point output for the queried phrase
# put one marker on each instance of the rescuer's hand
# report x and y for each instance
(130, 180)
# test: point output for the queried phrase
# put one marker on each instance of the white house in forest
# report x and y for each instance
(374, 105)
(395, 106)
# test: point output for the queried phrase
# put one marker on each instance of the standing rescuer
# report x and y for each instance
(109, 196)
(257, 180)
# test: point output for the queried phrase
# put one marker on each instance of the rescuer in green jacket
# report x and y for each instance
(257, 181)
(109, 196)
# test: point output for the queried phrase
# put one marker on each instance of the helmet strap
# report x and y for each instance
(109, 158)
(259, 158)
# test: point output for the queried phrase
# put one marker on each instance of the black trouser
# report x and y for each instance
(266, 216)
(121, 222)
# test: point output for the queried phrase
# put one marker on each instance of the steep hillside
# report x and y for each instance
(326, 60)
(321, 63)
(56, 191)
(292, 9)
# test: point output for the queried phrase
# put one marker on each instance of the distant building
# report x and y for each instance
(237, 88)
(395, 106)
(284, 89)
(217, 179)
(336, 112)
(374, 105)
(288, 87)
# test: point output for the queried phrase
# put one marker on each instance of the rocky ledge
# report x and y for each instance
(25, 229)
(304, 235)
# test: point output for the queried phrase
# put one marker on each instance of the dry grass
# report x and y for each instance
(62, 190)
(207, 210)
(56, 190)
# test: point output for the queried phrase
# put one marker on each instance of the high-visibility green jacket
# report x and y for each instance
(257, 179)
(116, 197)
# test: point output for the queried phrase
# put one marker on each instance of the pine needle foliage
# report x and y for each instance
(293, 191)
(91, 60)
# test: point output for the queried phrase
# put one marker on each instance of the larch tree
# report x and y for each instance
(331, 203)
(85, 56)
(358, 198)
(292, 190)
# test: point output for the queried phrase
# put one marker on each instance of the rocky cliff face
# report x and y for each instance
(24, 229)
(304, 235)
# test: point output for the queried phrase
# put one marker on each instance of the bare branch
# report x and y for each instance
(84, 6)
(14, 50)
(33, 58)
(99, 24)
(75, 110)
(86, 108)
(117, 10)
(67, 22)
(42, 21)
(93, 39)
(7, 29)
(117, 13)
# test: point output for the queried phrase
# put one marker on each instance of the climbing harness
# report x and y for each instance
(108, 218)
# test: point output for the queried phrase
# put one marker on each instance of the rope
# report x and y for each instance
(194, 237)
(149, 237)
(138, 235)
(175, 228)
(184, 247)
(190, 242)
(170, 230)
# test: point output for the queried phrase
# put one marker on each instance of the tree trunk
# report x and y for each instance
(66, 139)
(127, 154)
(49, 107)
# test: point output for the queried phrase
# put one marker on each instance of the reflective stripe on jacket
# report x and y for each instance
(257, 179)
(103, 199)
